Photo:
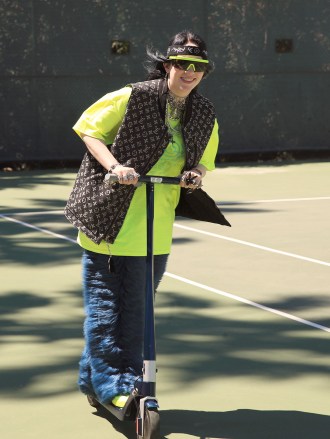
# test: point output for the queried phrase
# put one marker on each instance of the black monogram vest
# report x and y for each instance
(139, 143)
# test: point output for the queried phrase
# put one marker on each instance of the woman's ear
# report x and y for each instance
(167, 67)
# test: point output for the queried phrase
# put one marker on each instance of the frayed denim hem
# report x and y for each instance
(114, 306)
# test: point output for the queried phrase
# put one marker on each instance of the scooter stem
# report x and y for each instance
(149, 364)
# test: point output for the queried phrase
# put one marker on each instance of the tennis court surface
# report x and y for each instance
(243, 313)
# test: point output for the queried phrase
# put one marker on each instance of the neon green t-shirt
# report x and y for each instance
(102, 121)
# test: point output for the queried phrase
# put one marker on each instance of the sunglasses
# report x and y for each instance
(182, 64)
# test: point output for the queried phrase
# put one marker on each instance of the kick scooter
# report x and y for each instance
(142, 404)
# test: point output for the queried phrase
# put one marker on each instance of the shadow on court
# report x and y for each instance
(35, 179)
(239, 424)
(231, 350)
(246, 424)
(20, 245)
(230, 347)
(17, 380)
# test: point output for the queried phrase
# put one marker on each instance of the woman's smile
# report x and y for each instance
(187, 80)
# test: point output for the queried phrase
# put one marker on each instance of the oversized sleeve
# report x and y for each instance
(103, 118)
(209, 155)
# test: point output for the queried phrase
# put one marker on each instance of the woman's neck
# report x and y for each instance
(176, 97)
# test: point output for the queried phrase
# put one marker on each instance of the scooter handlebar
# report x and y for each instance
(113, 178)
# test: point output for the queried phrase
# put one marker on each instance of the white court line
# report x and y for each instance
(248, 302)
(43, 212)
(190, 282)
(251, 244)
(192, 229)
(278, 200)
(39, 229)
(220, 203)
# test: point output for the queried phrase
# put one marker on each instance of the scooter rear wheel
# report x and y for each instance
(151, 427)
(92, 401)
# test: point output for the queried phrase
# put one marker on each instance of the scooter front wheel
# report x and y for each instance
(151, 425)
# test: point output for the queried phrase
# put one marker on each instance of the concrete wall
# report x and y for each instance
(56, 59)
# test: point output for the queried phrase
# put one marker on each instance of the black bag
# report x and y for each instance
(200, 206)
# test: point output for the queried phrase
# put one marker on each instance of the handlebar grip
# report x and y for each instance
(110, 178)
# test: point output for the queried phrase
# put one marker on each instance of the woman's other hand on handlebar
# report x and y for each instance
(191, 179)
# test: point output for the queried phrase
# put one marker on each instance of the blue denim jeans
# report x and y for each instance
(114, 322)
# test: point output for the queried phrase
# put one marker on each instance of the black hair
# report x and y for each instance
(155, 60)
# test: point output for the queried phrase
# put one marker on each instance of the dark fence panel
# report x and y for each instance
(56, 59)
(271, 99)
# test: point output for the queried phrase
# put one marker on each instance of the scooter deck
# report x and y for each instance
(126, 413)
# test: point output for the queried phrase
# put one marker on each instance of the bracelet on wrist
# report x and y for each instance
(197, 171)
(113, 167)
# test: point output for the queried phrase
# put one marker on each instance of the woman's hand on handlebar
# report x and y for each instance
(126, 175)
(191, 179)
